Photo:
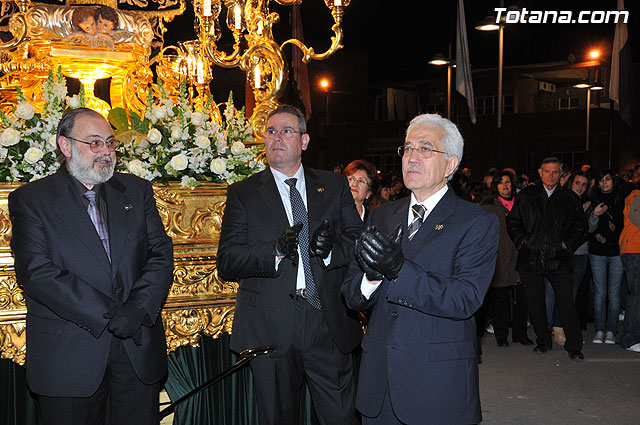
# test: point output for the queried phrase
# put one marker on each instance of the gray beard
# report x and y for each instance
(85, 172)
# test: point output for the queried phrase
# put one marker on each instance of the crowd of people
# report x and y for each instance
(316, 253)
(601, 266)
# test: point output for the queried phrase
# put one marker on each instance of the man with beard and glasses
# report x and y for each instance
(423, 267)
(95, 262)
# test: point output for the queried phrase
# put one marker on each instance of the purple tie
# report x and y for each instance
(97, 220)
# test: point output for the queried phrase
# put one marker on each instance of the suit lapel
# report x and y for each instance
(315, 199)
(118, 212)
(271, 197)
(71, 210)
(435, 222)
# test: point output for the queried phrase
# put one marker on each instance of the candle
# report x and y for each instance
(259, 31)
(256, 78)
(200, 72)
(238, 15)
(206, 8)
(337, 3)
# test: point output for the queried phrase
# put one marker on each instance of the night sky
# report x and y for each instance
(398, 38)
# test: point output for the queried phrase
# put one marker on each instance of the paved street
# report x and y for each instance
(518, 386)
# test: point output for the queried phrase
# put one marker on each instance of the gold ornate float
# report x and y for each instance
(44, 37)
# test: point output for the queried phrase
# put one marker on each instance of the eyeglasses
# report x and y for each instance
(286, 133)
(422, 151)
(358, 180)
(96, 145)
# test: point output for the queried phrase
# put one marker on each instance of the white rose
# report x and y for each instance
(237, 148)
(159, 112)
(9, 137)
(135, 167)
(176, 132)
(218, 165)
(202, 142)
(24, 110)
(73, 101)
(154, 136)
(197, 118)
(179, 162)
(33, 155)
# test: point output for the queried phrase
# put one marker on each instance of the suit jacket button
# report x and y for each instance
(291, 296)
(394, 314)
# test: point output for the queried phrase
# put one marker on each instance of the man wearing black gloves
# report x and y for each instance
(95, 263)
(423, 266)
(288, 235)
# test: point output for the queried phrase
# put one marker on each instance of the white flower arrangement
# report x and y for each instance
(172, 141)
(28, 138)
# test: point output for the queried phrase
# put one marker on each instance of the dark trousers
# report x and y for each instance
(562, 287)
(506, 300)
(631, 335)
(313, 355)
(121, 398)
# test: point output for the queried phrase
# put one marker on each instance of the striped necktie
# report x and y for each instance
(418, 213)
(97, 220)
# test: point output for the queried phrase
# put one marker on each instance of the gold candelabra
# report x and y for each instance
(254, 49)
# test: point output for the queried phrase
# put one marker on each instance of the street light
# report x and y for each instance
(440, 60)
(324, 84)
(588, 85)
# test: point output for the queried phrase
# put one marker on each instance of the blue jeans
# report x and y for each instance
(607, 281)
(631, 334)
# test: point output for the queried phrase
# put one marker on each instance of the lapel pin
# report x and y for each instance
(127, 207)
(439, 226)
(320, 189)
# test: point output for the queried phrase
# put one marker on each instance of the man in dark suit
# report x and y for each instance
(423, 266)
(95, 263)
(290, 264)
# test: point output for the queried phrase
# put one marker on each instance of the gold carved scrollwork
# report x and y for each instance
(12, 325)
(199, 276)
(184, 327)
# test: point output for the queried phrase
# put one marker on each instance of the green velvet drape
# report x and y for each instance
(230, 402)
(17, 407)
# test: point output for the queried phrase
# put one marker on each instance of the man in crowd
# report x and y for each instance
(547, 224)
(287, 235)
(95, 263)
(423, 266)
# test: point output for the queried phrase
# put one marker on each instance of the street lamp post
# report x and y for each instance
(439, 60)
(489, 24)
(589, 86)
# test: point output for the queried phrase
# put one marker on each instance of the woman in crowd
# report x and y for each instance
(363, 178)
(505, 286)
(605, 226)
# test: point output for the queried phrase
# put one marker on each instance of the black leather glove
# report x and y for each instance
(287, 244)
(126, 320)
(323, 239)
(383, 253)
(371, 273)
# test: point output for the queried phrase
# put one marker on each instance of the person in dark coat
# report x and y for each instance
(547, 225)
(506, 290)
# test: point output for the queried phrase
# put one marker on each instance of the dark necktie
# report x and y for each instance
(97, 220)
(418, 214)
(300, 216)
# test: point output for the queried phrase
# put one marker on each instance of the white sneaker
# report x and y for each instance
(599, 338)
(610, 338)
(635, 348)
